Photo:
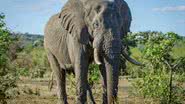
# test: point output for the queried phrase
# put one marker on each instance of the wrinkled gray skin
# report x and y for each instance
(85, 30)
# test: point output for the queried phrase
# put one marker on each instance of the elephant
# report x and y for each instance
(87, 31)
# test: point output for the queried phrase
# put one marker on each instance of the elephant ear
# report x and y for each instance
(72, 20)
(126, 17)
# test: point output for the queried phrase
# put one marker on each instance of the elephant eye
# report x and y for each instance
(96, 25)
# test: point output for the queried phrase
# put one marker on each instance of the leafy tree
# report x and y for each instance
(159, 68)
(7, 78)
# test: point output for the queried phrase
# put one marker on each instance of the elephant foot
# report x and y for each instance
(81, 101)
(104, 102)
(62, 101)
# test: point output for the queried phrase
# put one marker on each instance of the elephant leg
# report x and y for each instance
(104, 83)
(81, 72)
(61, 85)
(90, 95)
(60, 78)
(81, 84)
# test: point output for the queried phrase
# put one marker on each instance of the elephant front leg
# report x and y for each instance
(81, 84)
(60, 78)
(81, 72)
(104, 83)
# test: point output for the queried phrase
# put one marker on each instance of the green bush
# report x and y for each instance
(157, 78)
(94, 74)
(32, 63)
(156, 86)
(133, 70)
(7, 73)
(39, 63)
(23, 72)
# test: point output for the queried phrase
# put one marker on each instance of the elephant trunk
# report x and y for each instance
(112, 62)
(112, 72)
(110, 88)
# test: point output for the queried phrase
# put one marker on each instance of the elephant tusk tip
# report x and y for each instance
(98, 63)
(96, 57)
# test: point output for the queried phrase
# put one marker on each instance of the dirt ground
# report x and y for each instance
(37, 92)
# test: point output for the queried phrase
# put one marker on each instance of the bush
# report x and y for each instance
(156, 86)
(39, 63)
(156, 80)
(94, 74)
(7, 73)
(32, 63)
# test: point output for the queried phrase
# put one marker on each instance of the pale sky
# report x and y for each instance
(155, 15)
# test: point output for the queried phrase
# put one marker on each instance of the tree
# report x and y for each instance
(7, 74)
(160, 64)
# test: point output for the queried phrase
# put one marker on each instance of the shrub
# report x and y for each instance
(156, 86)
(32, 63)
(94, 74)
(157, 80)
(7, 74)
(39, 62)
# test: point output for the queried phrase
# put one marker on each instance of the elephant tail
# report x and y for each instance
(50, 84)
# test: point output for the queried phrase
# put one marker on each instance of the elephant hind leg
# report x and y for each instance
(60, 78)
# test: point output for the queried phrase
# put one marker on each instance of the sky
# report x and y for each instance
(30, 16)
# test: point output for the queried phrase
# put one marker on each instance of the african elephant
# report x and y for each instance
(86, 31)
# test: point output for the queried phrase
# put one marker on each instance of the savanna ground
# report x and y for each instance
(37, 92)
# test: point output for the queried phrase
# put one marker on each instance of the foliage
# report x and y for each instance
(156, 80)
(71, 88)
(38, 43)
(133, 70)
(32, 63)
(156, 86)
(94, 74)
(31, 60)
(7, 74)
(40, 63)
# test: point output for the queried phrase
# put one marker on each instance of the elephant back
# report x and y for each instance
(71, 15)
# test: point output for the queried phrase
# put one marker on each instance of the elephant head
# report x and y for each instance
(104, 23)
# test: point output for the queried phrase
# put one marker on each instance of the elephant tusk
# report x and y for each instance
(96, 57)
(131, 60)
